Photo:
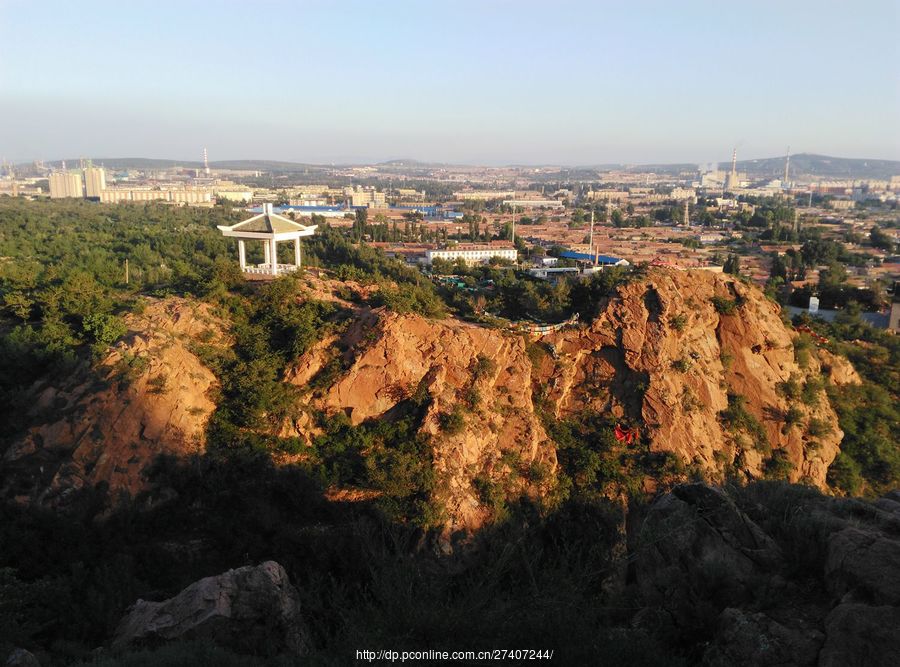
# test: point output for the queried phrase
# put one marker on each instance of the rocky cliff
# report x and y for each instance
(667, 354)
(663, 356)
(103, 426)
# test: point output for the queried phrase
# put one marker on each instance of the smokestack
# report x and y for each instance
(787, 165)
(205, 162)
(734, 164)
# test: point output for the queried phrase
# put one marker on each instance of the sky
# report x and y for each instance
(468, 82)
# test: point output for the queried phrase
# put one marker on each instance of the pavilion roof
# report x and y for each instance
(267, 223)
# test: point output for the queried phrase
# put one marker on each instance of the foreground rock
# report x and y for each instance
(700, 554)
(253, 610)
(862, 636)
(712, 575)
(21, 658)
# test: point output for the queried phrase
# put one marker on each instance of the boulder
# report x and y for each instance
(864, 561)
(698, 554)
(759, 641)
(249, 610)
(19, 657)
(858, 635)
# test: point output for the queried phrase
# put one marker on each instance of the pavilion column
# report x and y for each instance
(274, 253)
(266, 259)
(242, 254)
(297, 252)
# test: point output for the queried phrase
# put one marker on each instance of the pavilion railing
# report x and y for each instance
(267, 269)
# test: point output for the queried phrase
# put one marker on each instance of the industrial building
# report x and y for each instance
(94, 182)
(66, 184)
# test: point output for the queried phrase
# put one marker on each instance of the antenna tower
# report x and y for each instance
(787, 165)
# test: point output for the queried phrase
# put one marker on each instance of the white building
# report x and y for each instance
(472, 253)
(534, 203)
(66, 184)
(180, 196)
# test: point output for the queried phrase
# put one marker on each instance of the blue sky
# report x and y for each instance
(491, 82)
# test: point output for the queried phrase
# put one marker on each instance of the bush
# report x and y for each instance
(812, 389)
(484, 366)
(789, 389)
(679, 322)
(793, 416)
(724, 305)
(818, 428)
(682, 365)
(452, 422)
(737, 418)
(103, 328)
(779, 466)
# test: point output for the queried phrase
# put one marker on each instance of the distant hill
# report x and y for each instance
(153, 163)
(810, 164)
(802, 164)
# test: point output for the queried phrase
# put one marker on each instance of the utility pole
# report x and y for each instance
(126, 270)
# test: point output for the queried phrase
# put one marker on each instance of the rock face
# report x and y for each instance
(665, 337)
(838, 369)
(104, 426)
(709, 572)
(388, 357)
(251, 610)
(659, 356)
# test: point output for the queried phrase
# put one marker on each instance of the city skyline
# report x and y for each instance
(495, 83)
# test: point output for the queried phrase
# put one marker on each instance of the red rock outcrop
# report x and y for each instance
(389, 356)
(661, 355)
(147, 397)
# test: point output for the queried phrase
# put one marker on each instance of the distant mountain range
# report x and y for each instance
(802, 164)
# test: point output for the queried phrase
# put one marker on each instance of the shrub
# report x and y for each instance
(818, 428)
(846, 474)
(812, 390)
(452, 422)
(726, 358)
(737, 418)
(803, 346)
(484, 366)
(679, 322)
(682, 365)
(104, 329)
(789, 389)
(724, 305)
(157, 384)
(793, 416)
(689, 400)
(779, 466)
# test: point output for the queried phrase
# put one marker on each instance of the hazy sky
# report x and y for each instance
(477, 82)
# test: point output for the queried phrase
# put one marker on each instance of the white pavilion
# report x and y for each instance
(269, 228)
